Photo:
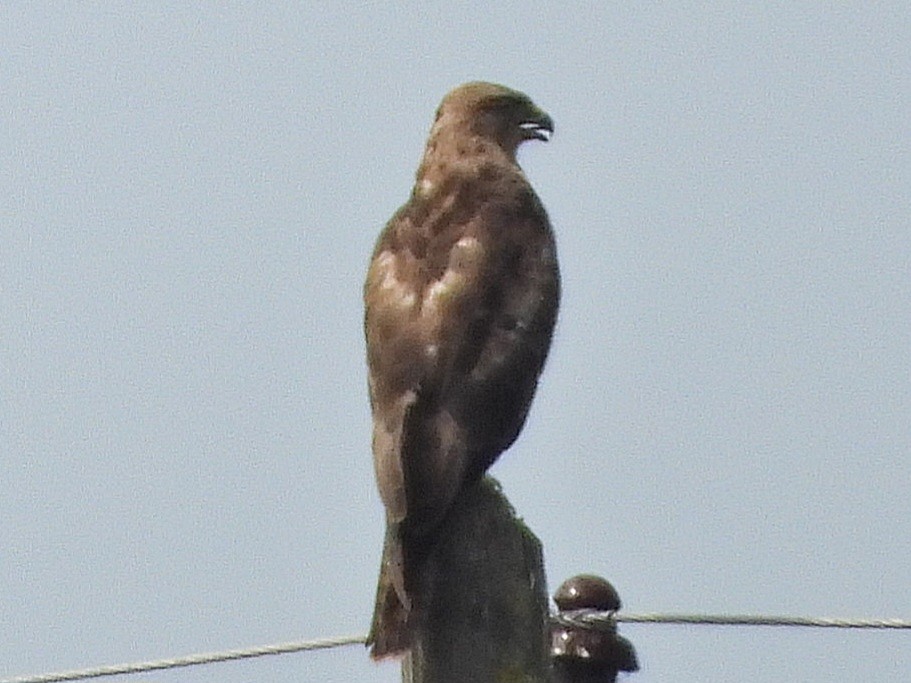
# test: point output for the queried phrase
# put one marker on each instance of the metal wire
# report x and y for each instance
(756, 620)
(579, 618)
(189, 660)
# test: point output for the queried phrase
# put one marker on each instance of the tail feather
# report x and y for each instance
(390, 633)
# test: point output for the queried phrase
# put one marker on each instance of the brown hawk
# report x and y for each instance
(461, 299)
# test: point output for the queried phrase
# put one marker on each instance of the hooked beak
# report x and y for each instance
(538, 127)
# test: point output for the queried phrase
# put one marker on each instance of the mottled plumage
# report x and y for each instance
(461, 299)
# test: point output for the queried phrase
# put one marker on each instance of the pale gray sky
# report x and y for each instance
(189, 197)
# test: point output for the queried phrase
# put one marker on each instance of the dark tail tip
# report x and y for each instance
(390, 634)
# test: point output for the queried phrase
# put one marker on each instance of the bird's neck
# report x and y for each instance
(448, 149)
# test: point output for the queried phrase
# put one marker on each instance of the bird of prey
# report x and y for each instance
(461, 299)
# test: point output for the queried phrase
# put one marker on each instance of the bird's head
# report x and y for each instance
(495, 112)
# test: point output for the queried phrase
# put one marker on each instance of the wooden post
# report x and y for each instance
(486, 615)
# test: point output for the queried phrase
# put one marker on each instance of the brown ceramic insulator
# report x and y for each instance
(597, 651)
(587, 591)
